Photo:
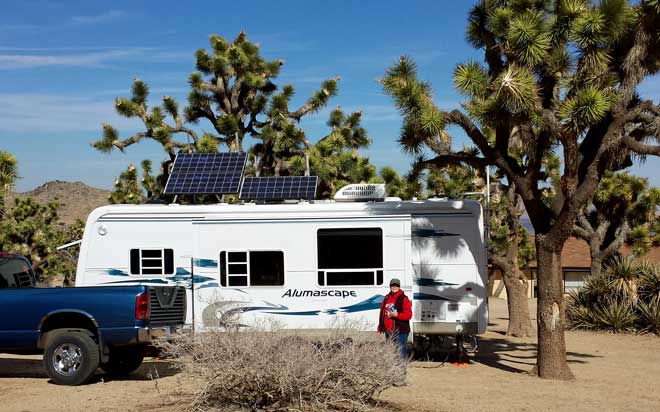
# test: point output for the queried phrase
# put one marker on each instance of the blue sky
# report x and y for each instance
(63, 63)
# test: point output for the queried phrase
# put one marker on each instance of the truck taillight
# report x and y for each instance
(142, 306)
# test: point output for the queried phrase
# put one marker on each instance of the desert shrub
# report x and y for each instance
(624, 297)
(579, 313)
(649, 283)
(623, 273)
(280, 369)
(649, 316)
(615, 315)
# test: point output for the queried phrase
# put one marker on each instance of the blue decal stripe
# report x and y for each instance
(186, 278)
(206, 263)
(369, 304)
(116, 272)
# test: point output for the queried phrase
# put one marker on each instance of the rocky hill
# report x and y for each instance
(76, 199)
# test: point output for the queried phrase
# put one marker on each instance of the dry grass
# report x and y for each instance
(282, 370)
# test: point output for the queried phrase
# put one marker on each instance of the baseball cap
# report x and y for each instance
(395, 282)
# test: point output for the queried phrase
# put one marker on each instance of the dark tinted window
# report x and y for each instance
(223, 268)
(350, 248)
(252, 268)
(238, 256)
(135, 261)
(169, 261)
(267, 268)
(15, 273)
(350, 278)
(152, 262)
(238, 281)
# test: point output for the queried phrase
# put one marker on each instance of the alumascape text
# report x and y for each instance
(295, 293)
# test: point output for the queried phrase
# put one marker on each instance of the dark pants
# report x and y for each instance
(401, 340)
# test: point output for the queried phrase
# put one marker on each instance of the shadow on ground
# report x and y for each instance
(516, 357)
(33, 368)
(505, 353)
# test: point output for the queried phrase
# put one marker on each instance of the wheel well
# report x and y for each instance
(66, 320)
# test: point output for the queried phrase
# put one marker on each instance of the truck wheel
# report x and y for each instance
(124, 360)
(70, 357)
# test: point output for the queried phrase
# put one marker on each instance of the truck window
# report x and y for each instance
(152, 262)
(350, 256)
(252, 268)
(15, 273)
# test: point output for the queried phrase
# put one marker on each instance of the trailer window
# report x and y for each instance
(350, 256)
(252, 268)
(152, 261)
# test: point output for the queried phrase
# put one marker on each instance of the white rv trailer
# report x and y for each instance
(305, 264)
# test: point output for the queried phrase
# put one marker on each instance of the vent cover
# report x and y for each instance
(361, 191)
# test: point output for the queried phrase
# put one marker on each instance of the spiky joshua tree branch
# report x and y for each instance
(558, 75)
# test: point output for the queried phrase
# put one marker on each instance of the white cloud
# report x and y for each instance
(49, 113)
(72, 22)
(101, 57)
(98, 18)
(96, 59)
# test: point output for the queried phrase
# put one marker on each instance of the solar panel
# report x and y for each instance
(279, 188)
(206, 173)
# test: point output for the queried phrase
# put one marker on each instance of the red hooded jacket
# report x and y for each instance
(387, 324)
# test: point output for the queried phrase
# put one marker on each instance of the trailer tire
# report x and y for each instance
(124, 360)
(70, 356)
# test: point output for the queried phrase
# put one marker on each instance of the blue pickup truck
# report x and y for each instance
(81, 329)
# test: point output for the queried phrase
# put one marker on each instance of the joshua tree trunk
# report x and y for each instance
(551, 358)
(520, 323)
(596, 264)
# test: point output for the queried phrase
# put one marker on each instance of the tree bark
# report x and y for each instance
(551, 318)
(520, 323)
(596, 265)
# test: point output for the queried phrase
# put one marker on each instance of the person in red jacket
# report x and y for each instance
(395, 315)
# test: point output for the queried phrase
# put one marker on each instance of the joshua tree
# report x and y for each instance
(622, 209)
(335, 158)
(558, 74)
(7, 178)
(128, 190)
(233, 90)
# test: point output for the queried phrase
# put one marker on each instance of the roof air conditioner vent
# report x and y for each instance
(361, 192)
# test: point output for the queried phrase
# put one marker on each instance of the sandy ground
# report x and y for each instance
(613, 373)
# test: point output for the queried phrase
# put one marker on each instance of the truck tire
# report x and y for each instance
(70, 356)
(124, 360)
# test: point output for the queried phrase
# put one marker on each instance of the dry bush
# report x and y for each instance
(280, 369)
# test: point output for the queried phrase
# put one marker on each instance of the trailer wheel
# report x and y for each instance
(71, 356)
(124, 360)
